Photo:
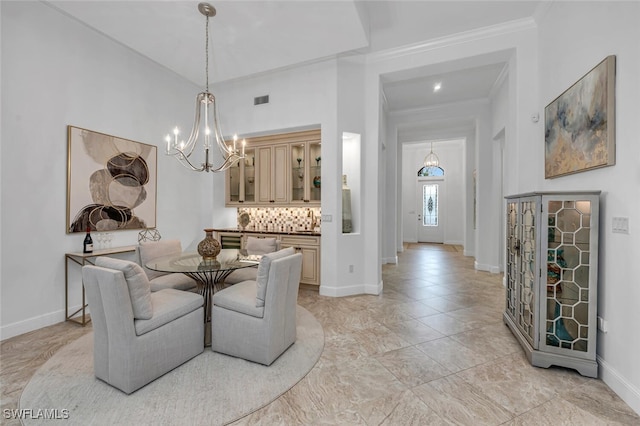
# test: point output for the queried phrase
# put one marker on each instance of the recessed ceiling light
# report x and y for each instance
(437, 87)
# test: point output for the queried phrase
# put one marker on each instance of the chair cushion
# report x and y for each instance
(263, 272)
(151, 250)
(240, 275)
(260, 245)
(239, 298)
(139, 286)
(177, 281)
(168, 305)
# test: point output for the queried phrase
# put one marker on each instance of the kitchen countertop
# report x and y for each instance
(267, 231)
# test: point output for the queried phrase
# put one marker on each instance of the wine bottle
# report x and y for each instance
(88, 242)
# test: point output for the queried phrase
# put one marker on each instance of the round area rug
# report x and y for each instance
(210, 389)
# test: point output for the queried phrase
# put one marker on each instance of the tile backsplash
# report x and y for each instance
(283, 218)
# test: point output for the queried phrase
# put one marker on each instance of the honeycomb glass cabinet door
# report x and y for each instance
(526, 308)
(511, 272)
(569, 307)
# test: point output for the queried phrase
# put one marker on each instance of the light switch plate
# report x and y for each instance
(620, 225)
(327, 218)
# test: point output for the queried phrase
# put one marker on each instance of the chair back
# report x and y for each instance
(148, 251)
(111, 312)
(282, 293)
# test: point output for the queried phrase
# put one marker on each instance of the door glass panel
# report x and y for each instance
(568, 275)
(234, 183)
(297, 172)
(249, 175)
(315, 170)
(527, 249)
(430, 205)
(513, 253)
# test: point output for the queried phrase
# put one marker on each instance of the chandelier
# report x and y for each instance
(431, 160)
(210, 127)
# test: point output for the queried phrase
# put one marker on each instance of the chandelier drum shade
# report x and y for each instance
(206, 127)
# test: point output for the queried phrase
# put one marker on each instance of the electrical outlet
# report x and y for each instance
(603, 325)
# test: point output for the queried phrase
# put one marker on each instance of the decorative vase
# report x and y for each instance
(209, 247)
(347, 224)
(316, 181)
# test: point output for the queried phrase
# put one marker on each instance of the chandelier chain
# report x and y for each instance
(206, 44)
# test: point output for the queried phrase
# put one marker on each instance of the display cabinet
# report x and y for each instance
(240, 183)
(552, 277)
(306, 172)
(278, 170)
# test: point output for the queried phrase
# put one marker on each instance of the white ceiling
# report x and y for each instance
(250, 37)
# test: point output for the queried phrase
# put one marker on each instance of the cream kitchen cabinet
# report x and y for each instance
(306, 172)
(552, 278)
(272, 177)
(271, 174)
(308, 245)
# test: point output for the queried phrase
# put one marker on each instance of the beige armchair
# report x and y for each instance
(256, 320)
(139, 335)
(149, 251)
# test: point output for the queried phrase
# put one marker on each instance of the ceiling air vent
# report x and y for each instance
(259, 100)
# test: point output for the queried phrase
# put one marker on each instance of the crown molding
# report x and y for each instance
(452, 40)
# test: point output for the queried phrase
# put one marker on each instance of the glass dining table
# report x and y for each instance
(208, 274)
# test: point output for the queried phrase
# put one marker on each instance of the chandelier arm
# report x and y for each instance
(188, 164)
(218, 131)
(230, 161)
(195, 130)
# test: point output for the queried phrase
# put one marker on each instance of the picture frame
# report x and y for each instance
(111, 182)
(580, 124)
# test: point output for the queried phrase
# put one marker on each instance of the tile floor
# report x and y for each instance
(430, 350)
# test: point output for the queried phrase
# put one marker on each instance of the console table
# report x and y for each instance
(82, 259)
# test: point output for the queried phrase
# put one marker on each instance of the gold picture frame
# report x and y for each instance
(580, 124)
(111, 182)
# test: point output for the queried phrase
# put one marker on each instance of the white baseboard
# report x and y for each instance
(468, 253)
(488, 268)
(625, 390)
(35, 323)
(393, 259)
(454, 242)
(334, 291)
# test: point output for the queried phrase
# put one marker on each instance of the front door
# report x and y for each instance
(430, 197)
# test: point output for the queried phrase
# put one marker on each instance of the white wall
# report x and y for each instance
(451, 155)
(574, 37)
(57, 72)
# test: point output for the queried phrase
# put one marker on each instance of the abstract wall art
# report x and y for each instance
(580, 124)
(111, 182)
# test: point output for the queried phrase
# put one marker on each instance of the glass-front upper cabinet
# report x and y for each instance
(298, 164)
(249, 177)
(241, 180)
(316, 171)
(305, 172)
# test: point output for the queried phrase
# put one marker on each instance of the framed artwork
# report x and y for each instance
(580, 124)
(111, 182)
